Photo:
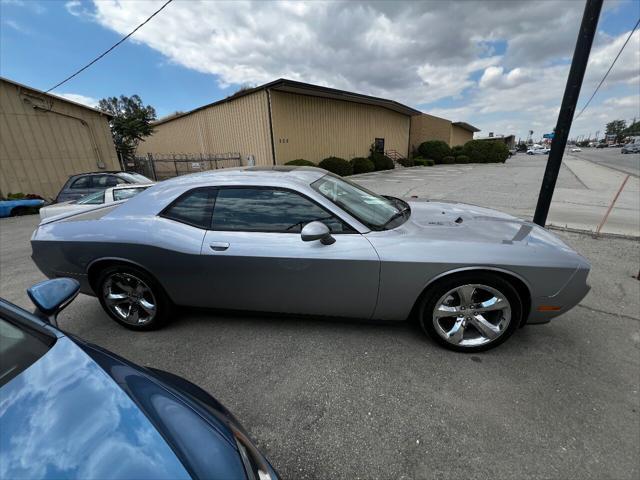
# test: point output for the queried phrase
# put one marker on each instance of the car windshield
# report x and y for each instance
(96, 198)
(373, 210)
(18, 350)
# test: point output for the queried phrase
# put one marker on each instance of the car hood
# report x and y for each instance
(64, 417)
(462, 222)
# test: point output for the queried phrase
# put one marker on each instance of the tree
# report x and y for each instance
(131, 122)
(632, 130)
(616, 128)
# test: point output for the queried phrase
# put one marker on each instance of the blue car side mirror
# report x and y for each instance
(52, 296)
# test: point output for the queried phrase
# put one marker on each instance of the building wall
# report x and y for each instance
(459, 136)
(314, 128)
(428, 127)
(40, 149)
(239, 126)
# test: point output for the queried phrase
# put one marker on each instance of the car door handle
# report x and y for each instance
(219, 246)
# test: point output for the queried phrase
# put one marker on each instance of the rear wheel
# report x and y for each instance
(471, 312)
(132, 298)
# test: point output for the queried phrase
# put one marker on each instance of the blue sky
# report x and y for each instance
(499, 65)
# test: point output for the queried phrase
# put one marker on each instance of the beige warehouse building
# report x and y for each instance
(285, 120)
(429, 127)
(44, 139)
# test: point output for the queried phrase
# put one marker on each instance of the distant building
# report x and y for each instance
(44, 139)
(429, 127)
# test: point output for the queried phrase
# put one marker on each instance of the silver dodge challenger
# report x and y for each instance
(303, 241)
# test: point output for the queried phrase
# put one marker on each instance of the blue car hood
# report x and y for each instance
(64, 417)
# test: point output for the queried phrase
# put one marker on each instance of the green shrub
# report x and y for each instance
(448, 160)
(457, 150)
(337, 165)
(301, 162)
(406, 162)
(462, 159)
(381, 161)
(362, 165)
(483, 151)
(435, 149)
(424, 162)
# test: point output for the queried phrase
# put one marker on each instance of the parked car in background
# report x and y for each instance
(20, 206)
(602, 145)
(631, 148)
(304, 241)
(576, 149)
(71, 409)
(85, 183)
(538, 151)
(110, 195)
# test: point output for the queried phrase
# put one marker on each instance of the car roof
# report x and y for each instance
(278, 174)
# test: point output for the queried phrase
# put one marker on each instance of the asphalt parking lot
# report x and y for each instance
(347, 400)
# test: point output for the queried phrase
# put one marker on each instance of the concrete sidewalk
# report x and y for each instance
(583, 192)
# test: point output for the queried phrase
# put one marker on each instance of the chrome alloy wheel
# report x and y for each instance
(471, 315)
(129, 298)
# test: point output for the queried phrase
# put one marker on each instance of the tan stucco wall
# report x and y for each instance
(459, 136)
(314, 128)
(239, 126)
(40, 149)
(428, 127)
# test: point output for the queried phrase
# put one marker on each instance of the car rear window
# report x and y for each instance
(92, 199)
(19, 349)
(124, 193)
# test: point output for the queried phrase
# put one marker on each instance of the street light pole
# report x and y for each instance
(569, 101)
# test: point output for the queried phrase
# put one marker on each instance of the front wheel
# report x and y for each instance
(132, 298)
(471, 312)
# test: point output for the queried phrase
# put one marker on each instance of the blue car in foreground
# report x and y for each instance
(70, 409)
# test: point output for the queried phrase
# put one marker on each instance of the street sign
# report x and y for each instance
(548, 135)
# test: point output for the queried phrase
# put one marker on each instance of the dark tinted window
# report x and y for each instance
(268, 210)
(82, 182)
(193, 208)
(105, 181)
(18, 350)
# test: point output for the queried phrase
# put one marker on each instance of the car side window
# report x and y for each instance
(269, 210)
(105, 181)
(82, 183)
(193, 208)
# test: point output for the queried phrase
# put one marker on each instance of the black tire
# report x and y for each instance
(163, 305)
(436, 292)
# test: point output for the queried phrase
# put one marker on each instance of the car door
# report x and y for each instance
(79, 187)
(256, 260)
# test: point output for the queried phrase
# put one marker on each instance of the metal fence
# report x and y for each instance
(160, 166)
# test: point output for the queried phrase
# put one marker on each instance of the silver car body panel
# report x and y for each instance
(364, 274)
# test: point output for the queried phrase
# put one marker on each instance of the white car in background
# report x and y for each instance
(538, 151)
(110, 195)
(576, 149)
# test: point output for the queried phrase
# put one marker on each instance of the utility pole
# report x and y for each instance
(597, 133)
(567, 109)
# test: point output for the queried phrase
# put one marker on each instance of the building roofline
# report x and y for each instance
(466, 126)
(301, 88)
(56, 97)
(496, 137)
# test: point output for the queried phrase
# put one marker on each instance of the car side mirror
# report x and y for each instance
(317, 231)
(52, 296)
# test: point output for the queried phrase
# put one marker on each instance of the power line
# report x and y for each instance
(111, 48)
(606, 74)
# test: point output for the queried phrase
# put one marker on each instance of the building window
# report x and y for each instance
(378, 145)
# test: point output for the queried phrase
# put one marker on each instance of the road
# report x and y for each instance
(583, 192)
(347, 400)
(612, 158)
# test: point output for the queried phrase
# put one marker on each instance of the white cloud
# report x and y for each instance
(18, 27)
(412, 52)
(83, 99)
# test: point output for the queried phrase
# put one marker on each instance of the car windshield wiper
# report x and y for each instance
(397, 215)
